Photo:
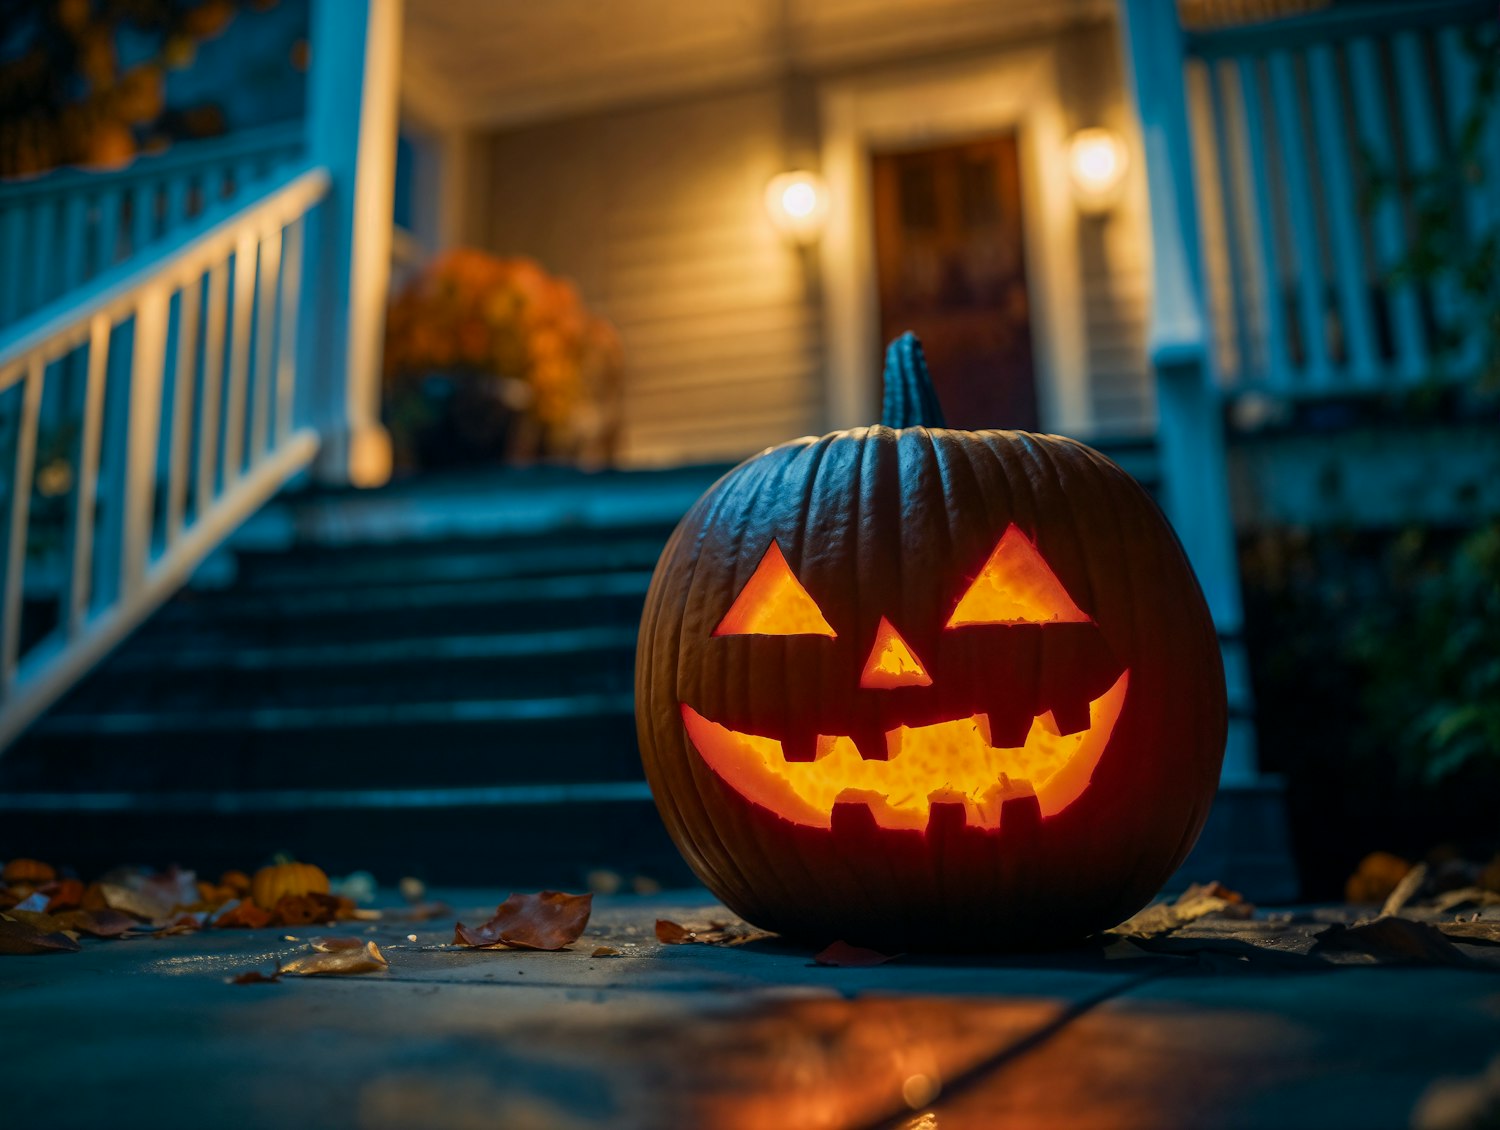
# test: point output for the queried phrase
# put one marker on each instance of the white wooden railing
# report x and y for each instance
(1293, 121)
(62, 228)
(178, 374)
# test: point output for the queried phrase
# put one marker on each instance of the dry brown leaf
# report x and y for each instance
(18, 937)
(267, 976)
(1406, 890)
(66, 894)
(1375, 878)
(709, 934)
(332, 945)
(338, 963)
(845, 956)
(1198, 901)
(153, 896)
(546, 921)
(605, 951)
(243, 913)
(1485, 932)
(1465, 898)
(99, 923)
(1393, 941)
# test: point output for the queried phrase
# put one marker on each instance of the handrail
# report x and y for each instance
(61, 228)
(182, 365)
(174, 262)
(284, 137)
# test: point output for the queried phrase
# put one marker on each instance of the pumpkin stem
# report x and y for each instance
(910, 400)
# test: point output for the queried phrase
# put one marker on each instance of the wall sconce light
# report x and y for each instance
(1097, 160)
(797, 203)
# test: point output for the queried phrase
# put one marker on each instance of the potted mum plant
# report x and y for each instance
(491, 360)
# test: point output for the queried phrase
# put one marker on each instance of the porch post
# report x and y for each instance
(1190, 426)
(353, 87)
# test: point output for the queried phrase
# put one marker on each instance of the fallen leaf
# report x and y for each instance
(104, 923)
(67, 894)
(1465, 898)
(710, 934)
(18, 937)
(845, 956)
(243, 914)
(1198, 901)
(1405, 890)
(546, 921)
(1393, 941)
(153, 896)
(182, 924)
(258, 976)
(333, 945)
(605, 951)
(1482, 933)
(338, 963)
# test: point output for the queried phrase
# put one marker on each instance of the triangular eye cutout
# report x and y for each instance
(892, 662)
(774, 603)
(1016, 586)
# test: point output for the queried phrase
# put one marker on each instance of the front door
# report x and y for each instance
(951, 269)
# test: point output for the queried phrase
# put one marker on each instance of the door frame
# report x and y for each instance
(932, 105)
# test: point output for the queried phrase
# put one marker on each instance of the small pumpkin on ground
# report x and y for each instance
(272, 884)
(915, 687)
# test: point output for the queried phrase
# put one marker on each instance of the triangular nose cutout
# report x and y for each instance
(892, 663)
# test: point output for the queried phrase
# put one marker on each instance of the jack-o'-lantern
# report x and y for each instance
(910, 686)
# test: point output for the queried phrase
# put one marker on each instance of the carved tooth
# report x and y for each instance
(1021, 814)
(946, 815)
(800, 747)
(1008, 730)
(852, 813)
(1069, 717)
(982, 724)
(871, 742)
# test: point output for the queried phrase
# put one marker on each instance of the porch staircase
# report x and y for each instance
(431, 679)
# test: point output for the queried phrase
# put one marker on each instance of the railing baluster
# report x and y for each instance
(20, 515)
(44, 283)
(106, 251)
(1389, 236)
(213, 383)
(12, 263)
(142, 216)
(82, 557)
(1480, 204)
(1419, 129)
(182, 407)
(1299, 207)
(265, 345)
(74, 265)
(1266, 266)
(177, 200)
(239, 357)
(1230, 167)
(1338, 185)
(146, 371)
(291, 297)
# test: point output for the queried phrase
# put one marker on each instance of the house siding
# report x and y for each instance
(657, 214)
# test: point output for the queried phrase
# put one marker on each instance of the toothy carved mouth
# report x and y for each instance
(945, 763)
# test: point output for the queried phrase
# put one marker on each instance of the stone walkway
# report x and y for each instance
(149, 1032)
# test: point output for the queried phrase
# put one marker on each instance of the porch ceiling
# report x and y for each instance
(503, 62)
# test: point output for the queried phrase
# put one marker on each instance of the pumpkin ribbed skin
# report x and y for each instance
(273, 883)
(877, 522)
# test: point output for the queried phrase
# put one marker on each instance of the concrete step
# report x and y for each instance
(423, 669)
(378, 744)
(469, 559)
(397, 611)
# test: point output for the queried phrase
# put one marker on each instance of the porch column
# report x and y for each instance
(1190, 427)
(353, 87)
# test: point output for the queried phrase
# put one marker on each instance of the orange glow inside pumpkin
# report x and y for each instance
(774, 603)
(948, 762)
(892, 662)
(1016, 587)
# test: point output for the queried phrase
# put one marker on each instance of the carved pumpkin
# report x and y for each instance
(916, 687)
(272, 884)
